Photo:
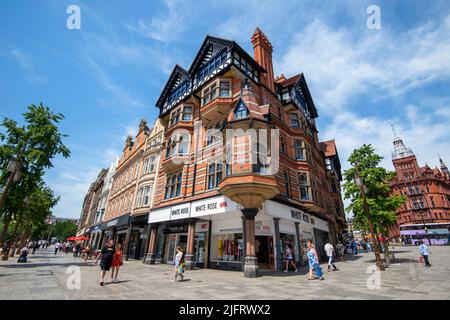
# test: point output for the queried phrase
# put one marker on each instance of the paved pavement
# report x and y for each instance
(47, 276)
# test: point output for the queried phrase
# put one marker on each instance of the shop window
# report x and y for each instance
(299, 146)
(304, 186)
(227, 247)
(214, 175)
(173, 186)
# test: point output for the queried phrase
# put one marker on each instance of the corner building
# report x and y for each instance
(234, 202)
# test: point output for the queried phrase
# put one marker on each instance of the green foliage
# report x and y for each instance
(35, 144)
(382, 205)
(63, 230)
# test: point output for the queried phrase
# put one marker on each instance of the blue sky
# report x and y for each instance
(108, 75)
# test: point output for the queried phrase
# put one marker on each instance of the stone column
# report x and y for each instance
(244, 242)
(278, 245)
(250, 262)
(127, 241)
(189, 258)
(299, 245)
(151, 252)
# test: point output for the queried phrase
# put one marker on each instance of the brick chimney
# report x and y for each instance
(262, 50)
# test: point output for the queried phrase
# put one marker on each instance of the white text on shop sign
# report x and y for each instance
(262, 228)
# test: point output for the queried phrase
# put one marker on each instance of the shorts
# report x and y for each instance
(105, 265)
(290, 258)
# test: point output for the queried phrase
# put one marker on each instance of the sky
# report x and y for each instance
(107, 75)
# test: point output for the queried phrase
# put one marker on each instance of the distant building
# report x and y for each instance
(426, 214)
(53, 219)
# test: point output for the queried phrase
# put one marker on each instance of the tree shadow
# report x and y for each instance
(26, 265)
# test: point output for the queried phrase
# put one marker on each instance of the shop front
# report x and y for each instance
(138, 236)
(116, 229)
(97, 232)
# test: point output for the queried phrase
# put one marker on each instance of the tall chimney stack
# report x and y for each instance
(262, 49)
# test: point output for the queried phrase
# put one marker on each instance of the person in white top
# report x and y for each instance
(329, 249)
(57, 244)
(289, 255)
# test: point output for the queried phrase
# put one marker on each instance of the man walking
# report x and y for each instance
(57, 244)
(425, 252)
(329, 249)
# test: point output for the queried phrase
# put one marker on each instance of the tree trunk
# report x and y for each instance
(25, 237)
(6, 222)
(12, 241)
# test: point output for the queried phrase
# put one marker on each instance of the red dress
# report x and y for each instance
(117, 259)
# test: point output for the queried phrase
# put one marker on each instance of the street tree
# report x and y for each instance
(381, 204)
(32, 146)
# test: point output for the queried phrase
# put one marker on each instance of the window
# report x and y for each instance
(145, 167)
(173, 186)
(338, 207)
(209, 94)
(294, 120)
(304, 186)
(224, 89)
(214, 175)
(299, 146)
(241, 111)
(282, 145)
(152, 163)
(170, 149)
(146, 195)
(183, 147)
(333, 185)
(175, 117)
(287, 184)
(187, 113)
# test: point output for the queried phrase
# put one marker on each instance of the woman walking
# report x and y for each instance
(179, 264)
(116, 263)
(313, 262)
(106, 255)
(289, 258)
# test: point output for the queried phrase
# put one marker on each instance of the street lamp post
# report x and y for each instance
(362, 187)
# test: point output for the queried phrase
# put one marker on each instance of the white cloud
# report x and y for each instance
(166, 27)
(27, 67)
(339, 65)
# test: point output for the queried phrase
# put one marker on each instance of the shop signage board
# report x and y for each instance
(211, 206)
(112, 223)
(159, 215)
(262, 227)
(202, 226)
(181, 211)
(283, 211)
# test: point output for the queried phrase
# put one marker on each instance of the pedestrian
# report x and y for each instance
(289, 256)
(67, 247)
(424, 251)
(35, 247)
(106, 255)
(369, 248)
(341, 250)
(329, 250)
(179, 264)
(87, 252)
(313, 261)
(354, 247)
(57, 244)
(117, 263)
(76, 249)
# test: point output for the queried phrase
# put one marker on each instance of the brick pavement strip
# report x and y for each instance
(45, 277)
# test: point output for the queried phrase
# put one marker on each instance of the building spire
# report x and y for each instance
(400, 150)
(444, 168)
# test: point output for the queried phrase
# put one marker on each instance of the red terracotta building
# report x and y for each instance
(426, 214)
(235, 201)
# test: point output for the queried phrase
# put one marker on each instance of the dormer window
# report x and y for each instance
(241, 111)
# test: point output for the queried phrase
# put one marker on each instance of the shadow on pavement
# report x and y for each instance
(46, 264)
